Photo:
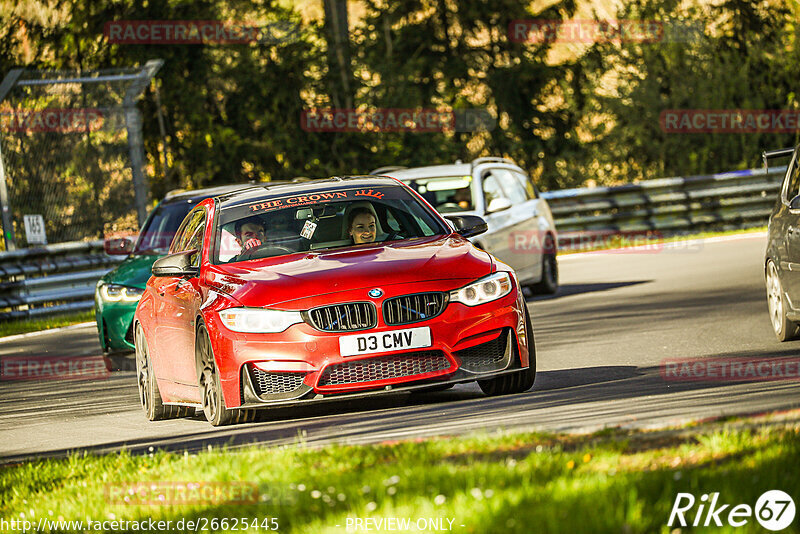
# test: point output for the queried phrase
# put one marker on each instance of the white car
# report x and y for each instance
(521, 233)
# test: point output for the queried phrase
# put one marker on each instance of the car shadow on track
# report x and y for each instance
(565, 398)
(566, 290)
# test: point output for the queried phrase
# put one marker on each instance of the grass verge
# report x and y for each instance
(650, 240)
(610, 481)
(33, 325)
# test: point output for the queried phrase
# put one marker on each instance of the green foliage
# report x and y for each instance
(743, 60)
(23, 326)
(232, 112)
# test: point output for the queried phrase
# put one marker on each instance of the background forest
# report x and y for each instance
(572, 114)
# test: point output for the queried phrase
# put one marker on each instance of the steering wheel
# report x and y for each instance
(264, 252)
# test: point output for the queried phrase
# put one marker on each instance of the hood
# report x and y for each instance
(271, 281)
(134, 271)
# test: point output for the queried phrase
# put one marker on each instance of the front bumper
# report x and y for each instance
(304, 364)
(115, 324)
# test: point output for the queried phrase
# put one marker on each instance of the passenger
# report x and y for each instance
(361, 226)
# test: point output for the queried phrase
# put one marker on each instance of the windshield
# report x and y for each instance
(448, 194)
(160, 227)
(321, 221)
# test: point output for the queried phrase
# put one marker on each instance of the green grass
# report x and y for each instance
(642, 238)
(612, 481)
(32, 325)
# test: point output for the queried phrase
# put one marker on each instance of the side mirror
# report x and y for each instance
(120, 246)
(468, 225)
(498, 204)
(178, 264)
(794, 204)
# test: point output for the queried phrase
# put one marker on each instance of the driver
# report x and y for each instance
(250, 233)
(463, 198)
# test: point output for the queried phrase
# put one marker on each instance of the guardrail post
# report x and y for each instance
(133, 123)
(5, 210)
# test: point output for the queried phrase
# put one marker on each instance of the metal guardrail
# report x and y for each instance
(59, 278)
(51, 279)
(740, 198)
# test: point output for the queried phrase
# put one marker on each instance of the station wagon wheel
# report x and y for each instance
(548, 285)
(210, 387)
(149, 395)
(776, 302)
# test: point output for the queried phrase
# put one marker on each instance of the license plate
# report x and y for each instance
(410, 338)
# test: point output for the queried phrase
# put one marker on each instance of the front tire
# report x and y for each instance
(520, 381)
(214, 408)
(149, 395)
(784, 329)
(548, 285)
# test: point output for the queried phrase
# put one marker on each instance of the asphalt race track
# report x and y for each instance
(600, 345)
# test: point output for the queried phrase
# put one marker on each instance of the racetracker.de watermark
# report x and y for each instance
(51, 120)
(600, 241)
(729, 121)
(730, 369)
(396, 120)
(53, 368)
(166, 32)
(539, 31)
(182, 493)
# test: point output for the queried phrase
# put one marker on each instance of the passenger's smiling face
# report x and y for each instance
(363, 228)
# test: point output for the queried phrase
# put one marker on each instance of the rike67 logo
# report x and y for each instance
(774, 510)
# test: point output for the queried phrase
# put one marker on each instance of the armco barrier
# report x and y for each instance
(51, 279)
(738, 199)
(60, 278)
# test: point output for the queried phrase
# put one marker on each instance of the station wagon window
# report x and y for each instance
(513, 189)
(491, 188)
(527, 183)
(447, 194)
(793, 187)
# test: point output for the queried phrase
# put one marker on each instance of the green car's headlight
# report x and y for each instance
(259, 320)
(118, 293)
(485, 290)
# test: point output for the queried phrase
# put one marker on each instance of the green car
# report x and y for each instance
(118, 292)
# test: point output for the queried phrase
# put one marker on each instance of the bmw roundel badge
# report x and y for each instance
(375, 293)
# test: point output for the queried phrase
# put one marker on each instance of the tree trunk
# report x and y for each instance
(338, 34)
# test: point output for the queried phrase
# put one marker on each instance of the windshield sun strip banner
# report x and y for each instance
(315, 198)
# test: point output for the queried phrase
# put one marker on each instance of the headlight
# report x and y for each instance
(484, 290)
(259, 320)
(118, 293)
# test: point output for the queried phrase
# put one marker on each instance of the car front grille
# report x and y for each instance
(347, 317)
(489, 356)
(384, 367)
(413, 308)
(266, 383)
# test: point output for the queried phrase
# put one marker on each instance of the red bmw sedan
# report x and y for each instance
(295, 293)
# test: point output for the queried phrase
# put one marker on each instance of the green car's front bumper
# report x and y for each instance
(114, 316)
(114, 324)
